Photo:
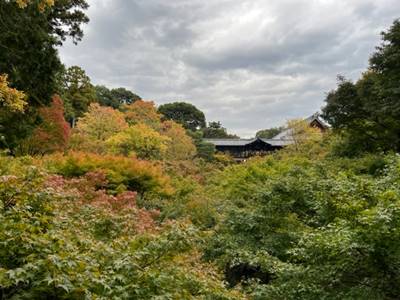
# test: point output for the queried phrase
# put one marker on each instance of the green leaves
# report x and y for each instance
(317, 231)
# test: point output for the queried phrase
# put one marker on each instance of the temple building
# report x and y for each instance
(241, 149)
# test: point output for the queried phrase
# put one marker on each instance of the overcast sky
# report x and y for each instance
(250, 64)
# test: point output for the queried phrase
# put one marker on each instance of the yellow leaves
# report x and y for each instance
(42, 5)
(140, 140)
(10, 98)
(180, 146)
(300, 132)
(96, 126)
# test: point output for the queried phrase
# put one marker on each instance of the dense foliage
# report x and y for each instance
(186, 114)
(367, 113)
(302, 227)
(104, 196)
(68, 239)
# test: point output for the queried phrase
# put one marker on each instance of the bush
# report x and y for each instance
(122, 173)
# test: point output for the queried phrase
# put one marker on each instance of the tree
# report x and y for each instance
(215, 130)
(180, 145)
(185, 114)
(28, 55)
(28, 41)
(367, 113)
(96, 126)
(42, 4)
(115, 97)
(140, 140)
(204, 149)
(52, 134)
(269, 133)
(124, 96)
(142, 112)
(300, 132)
(77, 91)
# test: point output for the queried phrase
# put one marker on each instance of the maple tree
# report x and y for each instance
(142, 112)
(96, 126)
(140, 140)
(52, 134)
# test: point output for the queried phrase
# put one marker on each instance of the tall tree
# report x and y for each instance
(28, 54)
(186, 114)
(367, 113)
(77, 92)
(28, 40)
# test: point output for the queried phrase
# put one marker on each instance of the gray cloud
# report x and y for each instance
(251, 64)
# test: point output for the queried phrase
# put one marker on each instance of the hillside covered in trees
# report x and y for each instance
(104, 195)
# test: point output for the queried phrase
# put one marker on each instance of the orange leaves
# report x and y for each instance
(53, 133)
(142, 112)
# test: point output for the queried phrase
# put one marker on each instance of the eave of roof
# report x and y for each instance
(244, 142)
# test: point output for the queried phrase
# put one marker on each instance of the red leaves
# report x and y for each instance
(53, 133)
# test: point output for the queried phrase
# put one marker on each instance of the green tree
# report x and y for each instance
(204, 149)
(28, 41)
(185, 114)
(77, 92)
(114, 97)
(269, 133)
(367, 113)
(215, 130)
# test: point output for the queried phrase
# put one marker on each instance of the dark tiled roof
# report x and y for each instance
(244, 142)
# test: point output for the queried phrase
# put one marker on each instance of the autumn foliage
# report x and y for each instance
(11, 99)
(53, 133)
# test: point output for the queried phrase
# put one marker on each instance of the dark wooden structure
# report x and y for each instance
(241, 149)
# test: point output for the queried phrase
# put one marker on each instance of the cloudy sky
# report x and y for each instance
(250, 64)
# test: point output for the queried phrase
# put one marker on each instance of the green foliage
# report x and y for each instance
(114, 97)
(95, 127)
(297, 227)
(186, 114)
(77, 91)
(204, 149)
(367, 113)
(28, 44)
(269, 133)
(215, 130)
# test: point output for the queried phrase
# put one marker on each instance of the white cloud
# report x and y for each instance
(250, 64)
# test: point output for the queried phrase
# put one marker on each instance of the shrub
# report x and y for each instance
(122, 173)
